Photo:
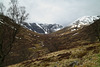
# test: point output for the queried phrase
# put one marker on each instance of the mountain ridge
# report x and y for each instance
(84, 21)
(42, 28)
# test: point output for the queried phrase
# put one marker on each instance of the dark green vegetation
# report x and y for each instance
(65, 48)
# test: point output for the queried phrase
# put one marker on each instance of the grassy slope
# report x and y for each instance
(86, 56)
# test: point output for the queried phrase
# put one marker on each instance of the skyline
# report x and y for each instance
(62, 12)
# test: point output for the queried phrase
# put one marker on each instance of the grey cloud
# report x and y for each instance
(59, 11)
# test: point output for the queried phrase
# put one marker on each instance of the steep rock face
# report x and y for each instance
(43, 28)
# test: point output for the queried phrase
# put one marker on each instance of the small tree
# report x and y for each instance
(12, 12)
(2, 9)
(22, 15)
(18, 14)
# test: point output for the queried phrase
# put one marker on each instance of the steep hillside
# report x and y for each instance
(84, 36)
(78, 24)
(8, 31)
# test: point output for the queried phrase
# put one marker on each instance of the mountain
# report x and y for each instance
(78, 24)
(84, 21)
(43, 28)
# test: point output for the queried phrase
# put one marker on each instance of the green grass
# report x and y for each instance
(98, 61)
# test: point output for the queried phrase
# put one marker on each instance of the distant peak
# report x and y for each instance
(84, 21)
(43, 28)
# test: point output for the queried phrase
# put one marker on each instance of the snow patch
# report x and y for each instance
(74, 34)
(34, 35)
(1, 22)
(42, 28)
(73, 29)
(34, 47)
(17, 37)
(38, 36)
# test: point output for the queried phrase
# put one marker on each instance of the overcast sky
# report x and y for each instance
(63, 12)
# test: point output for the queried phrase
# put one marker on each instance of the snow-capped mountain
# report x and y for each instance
(83, 21)
(43, 28)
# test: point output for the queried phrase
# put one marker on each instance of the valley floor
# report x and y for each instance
(81, 56)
